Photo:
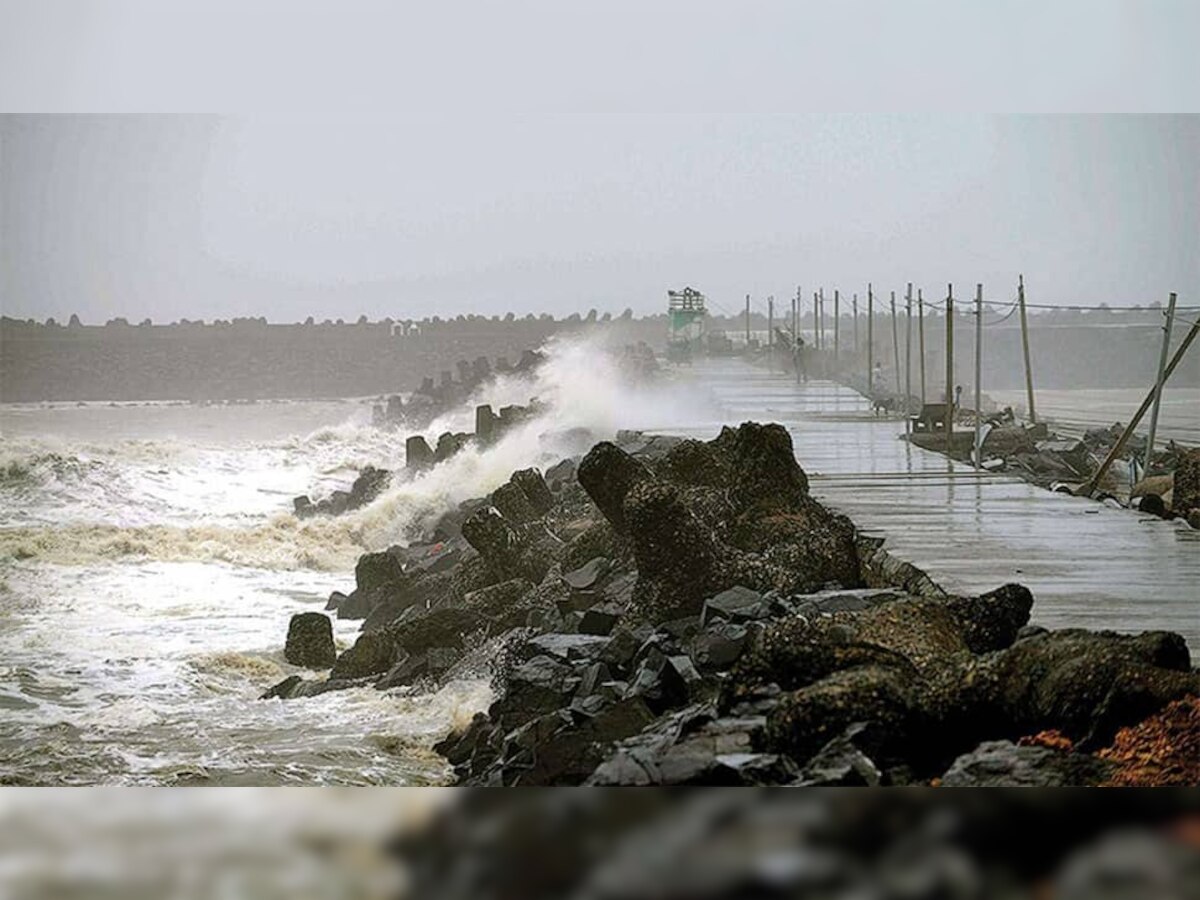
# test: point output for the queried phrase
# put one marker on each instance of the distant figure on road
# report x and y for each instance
(798, 360)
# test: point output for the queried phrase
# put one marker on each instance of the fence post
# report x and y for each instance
(908, 358)
(796, 361)
(855, 308)
(821, 315)
(921, 339)
(771, 332)
(949, 365)
(1158, 384)
(1025, 349)
(870, 343)
(837, 315)
(895, 344)
(978, 376)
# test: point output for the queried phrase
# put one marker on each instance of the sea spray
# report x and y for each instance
(582, 387)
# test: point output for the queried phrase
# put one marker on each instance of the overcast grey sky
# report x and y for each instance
(410, 216)
(545, 156)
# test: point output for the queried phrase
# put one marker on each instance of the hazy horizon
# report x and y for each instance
(198, 217)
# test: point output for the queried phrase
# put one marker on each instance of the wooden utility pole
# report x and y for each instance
(817, 320)
(1092, 482)
(855, 308)
(771, 332)
(1158, 384)
(921, 339)
(747, 322)
(796, 362)
(895, 344)
(870, 342)
(1025, 348)
(949, 365)
(907, 357)
(978, 376)
(795, 314)
(821, 316)
(837, 315)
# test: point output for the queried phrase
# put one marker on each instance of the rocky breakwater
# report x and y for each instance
(432, 399)
(684, 612)
(367, 486)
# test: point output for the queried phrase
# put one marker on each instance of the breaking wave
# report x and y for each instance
(225, 504)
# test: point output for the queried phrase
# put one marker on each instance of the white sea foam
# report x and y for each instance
(191, 511)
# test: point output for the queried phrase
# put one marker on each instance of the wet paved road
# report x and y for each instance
(1088, 565)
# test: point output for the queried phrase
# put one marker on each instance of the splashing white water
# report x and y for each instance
(187, 508)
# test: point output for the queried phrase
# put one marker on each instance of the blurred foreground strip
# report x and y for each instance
(602, 844)
(714, 843)
(133, 843)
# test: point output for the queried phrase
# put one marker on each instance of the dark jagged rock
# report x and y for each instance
(840, 763)
(446, 626)
(569, 647)
(993, 620)
(587, 575)
(448, 444)
(1005, 764)
(310, 641)
(535, 489)
(678, 561)
(500, 602)
(691, 539)
(1186, 496)
(765, 471)
(698, 464)
(358, 605)
(559, 474)
(376, 570)
(719, 646)
(884, 698)
(417, 455)
(372, 654)
(597, 540)
(738, 604)
(599, 620)
(493, 538)
(608, 473)
(693, 746)
(512, 503)
(1085, 684)
(485, 424)
(283, 690)
(367, 486)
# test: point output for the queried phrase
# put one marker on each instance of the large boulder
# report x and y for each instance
(885, 699)
(765, 471)
(1005, 764)
(510, 501)
(500, 602)
(310, 641)
(443, 627)
(1085, 684)
(607, 473)
(1187, 483)
(534, 486)
(374, 653)
(696, 463)
(493, 538)
(679, 563)
(382, 569)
